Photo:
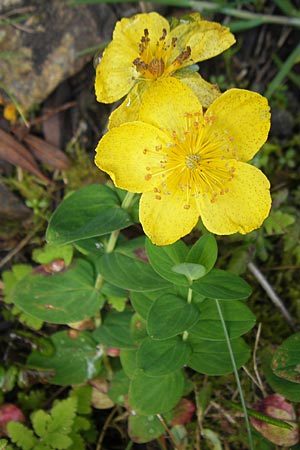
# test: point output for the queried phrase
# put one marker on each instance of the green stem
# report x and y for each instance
(190, 295)
(129, 446)
(112, 241)
(265, 18)
(127, 202)
(99, 282)
(238, 382)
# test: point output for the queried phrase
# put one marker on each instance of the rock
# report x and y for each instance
(11, 206)
(47, 47)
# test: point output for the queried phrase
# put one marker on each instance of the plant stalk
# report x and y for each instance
(238, 382)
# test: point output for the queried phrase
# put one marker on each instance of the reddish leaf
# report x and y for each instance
(8, 413)
(183, 412)
(277, 407)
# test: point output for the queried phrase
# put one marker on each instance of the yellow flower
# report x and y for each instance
(188, 164)
(10, 113)
(144, 49)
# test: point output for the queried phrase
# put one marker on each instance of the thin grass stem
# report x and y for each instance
(238, 382)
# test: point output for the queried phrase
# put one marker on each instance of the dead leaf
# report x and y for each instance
(47, 153)
(16, 154)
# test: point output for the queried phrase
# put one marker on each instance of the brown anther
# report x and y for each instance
(141, 66)
(164, 34)
(158, 197)
(187, 206)
(183, 56)
(145, 151)
(148, 176)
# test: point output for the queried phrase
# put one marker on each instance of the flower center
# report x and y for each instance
(155, 58)
(192, 161)
(195, 162)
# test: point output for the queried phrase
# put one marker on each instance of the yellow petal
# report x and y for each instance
(206, 39)
(128, 153)
(243, 208)
(166, 103)
(128, 111)
(164, 218)
(205, 91)
(132, 29)
(116, 73)
(243, 117)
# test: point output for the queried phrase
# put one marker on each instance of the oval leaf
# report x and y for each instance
(277, 407)
(115, 330)
(91, 211)
(144, 428)
(204, 252)
(164, 258)
(213, 358)
(190, 270)
(130, 273)
(238, 317)
(170, 315)
(76, 359)
(158, 358)
(290, 390)
(285, 362)
(155, 395)
(62, 298)
(142, 301)
(221, 285)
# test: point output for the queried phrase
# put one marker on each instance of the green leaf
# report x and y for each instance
(142, 301)
(289, 389)
(138, 328)
(128, 361)
(277, 222)
(40, 422)
(213, 358)
(115, 330)
(155, 395)
(164, 258)
(238, 317)
(76, 359)
(204, 252)
(50, 252)
(59, 441)
(119, 387)
(159, 358)
(221, 285)
(130, 273)
(91, 211)
(21, 435)
(62, 298)
(190, 271)
(83, 396)
(286, 360)
(11, 277)
(170, 315)
(144, 428)
(283, 72)
(63, 413)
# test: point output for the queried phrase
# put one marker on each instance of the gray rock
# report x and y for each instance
(47, 47)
